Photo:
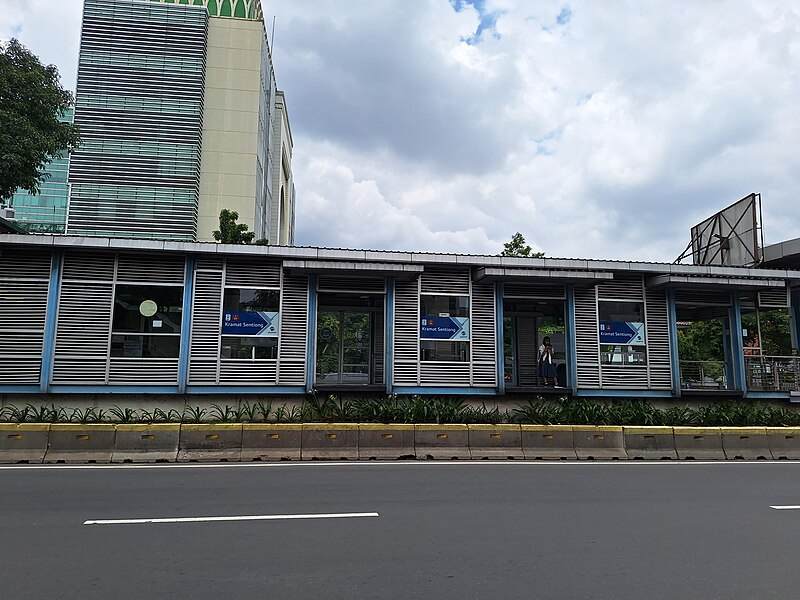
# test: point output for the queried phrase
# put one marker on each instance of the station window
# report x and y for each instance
(622, 333)
(444, 328)
(147, 321)
(250, 323)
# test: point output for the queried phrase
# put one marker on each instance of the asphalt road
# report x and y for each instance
(444, 530)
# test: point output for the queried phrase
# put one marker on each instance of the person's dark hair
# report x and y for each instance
(546, 340)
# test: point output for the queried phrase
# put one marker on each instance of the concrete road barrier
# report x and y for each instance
(441, 441)
(649, 443)
(147, 442)
(745, 443)
(80, 443)
(378, 441)
(23, 442)
(495, 441)
(698, 443)
(784, 442)
(330, 441)
(548, 442)
(271, 441)
(600, 442)
(210, 442)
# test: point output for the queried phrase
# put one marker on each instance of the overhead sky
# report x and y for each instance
(596, 129)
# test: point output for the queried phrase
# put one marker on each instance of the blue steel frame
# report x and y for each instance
(388, 351)
(311, 347)
(500, 349)
(186, 325)
(737, 347)
(675, 359)
(572, 340)
(49, 338)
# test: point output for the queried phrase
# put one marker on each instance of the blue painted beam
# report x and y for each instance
(500, 339)
(50, 323)
(737, 347)
(311, 346)
(388, 362)
(675, 360)
(446, 391)
(572, 341)
(186, 325)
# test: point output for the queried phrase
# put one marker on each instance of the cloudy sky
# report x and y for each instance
(596, 129)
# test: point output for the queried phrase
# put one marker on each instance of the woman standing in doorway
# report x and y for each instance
(547, 367)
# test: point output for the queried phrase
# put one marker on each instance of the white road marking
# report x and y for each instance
(402, 463)
(787, 507)
(231, 518)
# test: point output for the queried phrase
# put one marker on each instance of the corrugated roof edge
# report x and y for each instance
(441, 258)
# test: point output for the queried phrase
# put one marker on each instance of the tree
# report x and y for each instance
(231, 232)
(31, 100)
(517, 247)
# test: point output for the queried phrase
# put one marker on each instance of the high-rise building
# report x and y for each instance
(282, 216)
(46, 212)
(176, 101)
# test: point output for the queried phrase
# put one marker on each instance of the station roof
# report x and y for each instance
(682, 274)
(783, 255)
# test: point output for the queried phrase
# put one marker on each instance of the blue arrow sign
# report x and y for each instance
(252, 323)
(622, 333)
(444, 328)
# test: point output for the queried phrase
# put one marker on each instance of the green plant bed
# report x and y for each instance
(426, 409)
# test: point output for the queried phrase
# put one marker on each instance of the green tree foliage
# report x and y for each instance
(518, 247)
(776, 336)
(31, 100)
(231, 232)
(702, 340)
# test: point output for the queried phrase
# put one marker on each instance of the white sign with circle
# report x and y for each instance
(148, 308)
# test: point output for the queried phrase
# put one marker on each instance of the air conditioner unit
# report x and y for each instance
(8, 214)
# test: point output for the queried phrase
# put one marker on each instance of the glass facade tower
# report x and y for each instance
(46, 212)
(139, 105)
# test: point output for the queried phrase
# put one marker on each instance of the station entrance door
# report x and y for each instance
(349, 340)
(525, 325)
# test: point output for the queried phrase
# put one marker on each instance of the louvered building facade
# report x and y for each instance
(176, 104)
(82, 315)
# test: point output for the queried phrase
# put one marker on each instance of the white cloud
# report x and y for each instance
(595, 129)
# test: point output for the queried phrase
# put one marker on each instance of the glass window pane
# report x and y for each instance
(249, 347)
(431, 350)
(622, 333)
(147, 309)
(145, 346)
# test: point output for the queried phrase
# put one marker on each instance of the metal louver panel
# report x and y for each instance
(25, 263)
(587, 338)
(406, 333)
(206, 323)
(88, 266)
(444, 374)
(715, 297)
(438, 280)
(252, 272)
(659, 358)
(134, 371)
(378, 342)
(208, 264)
(22, 305)
(484, 342)
(371, 285)
(151, 268)
(778, 298)
(521, 290)
(294, 331)
(622, 287)
(84, 321)
(242, 372)
(623, 378)
(527, 349)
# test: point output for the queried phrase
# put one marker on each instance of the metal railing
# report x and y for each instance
(703, 375)
(773, 373)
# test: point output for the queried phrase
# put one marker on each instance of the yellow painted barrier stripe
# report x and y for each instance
(696, 431)
(385, 427)
(272, 426)
(433, 427)
(639, 430)
(330, 426)
(211, 426)
(148, 426)
(743, 430)
(24, 426)
(546, 428)
(82, 427)
(502, 427)
(598, 428)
